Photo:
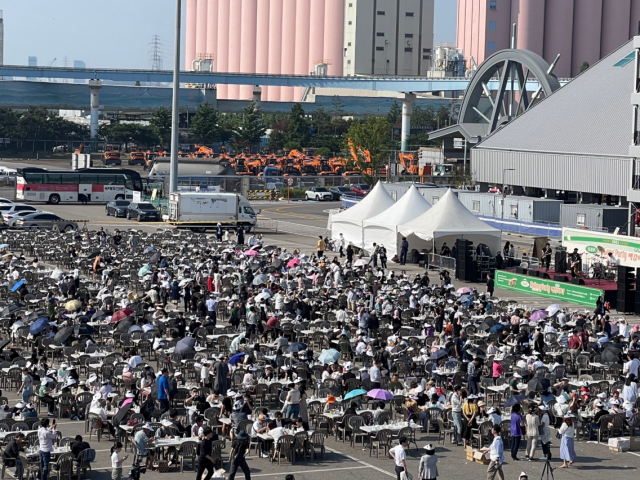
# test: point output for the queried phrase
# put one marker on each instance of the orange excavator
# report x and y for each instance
(411, 166)
(202, 152)
(111, 156)
(367, 159)
(136, 157)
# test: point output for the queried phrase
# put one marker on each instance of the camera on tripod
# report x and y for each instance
(136, 470)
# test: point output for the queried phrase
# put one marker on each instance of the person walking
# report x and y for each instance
(164, 390)
(240, 234)
(545, 438)
(206, 460)
(382, 253)
(456, 412)
(491, 285)
(428, 469)
(567, 430)
(341, 243)
(532, 422)
(239, 449)
(400, 456)
(321, 246)
(374, 256)
(496, 455)
(46, 436)
(404, 249)
(117, 461)
(219, 232)
(516, 431)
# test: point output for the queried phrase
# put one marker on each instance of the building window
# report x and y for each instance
(434, 200)
(476, 206)
(514, 211)
(492, 26)
(348, 62)
(581, 219)
(380, 34)
(426, 57)
(380, 12)
(408, 49)
(345, 52)
(350, 22)
(351, 4)
(348, 44)
(426, 50)
(492, 46)
(394, 194)
(408, 14)
(493, 5)
(380, 48)
(408, 35)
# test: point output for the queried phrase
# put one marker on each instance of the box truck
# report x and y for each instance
(202, 210)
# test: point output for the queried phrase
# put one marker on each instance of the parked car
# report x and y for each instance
(12, 218)
(9, 208)
(45, 221)
(117, 208)
(360, 188)
(143, 211)
(319, 194)
(337, 192)
(5, 201)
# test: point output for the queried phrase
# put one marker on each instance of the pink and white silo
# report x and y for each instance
(275, 46)
(190, 47)
(235, 41)
(212, 27)
(587, 28)
(248, 44)
(334, 35)
(262, 41)
(558, 28)
(222, 56)
(615, 14)
(634, 20)
(316, 33)
(201, 28)
(288, 46)
(303, 21)
(531, 26)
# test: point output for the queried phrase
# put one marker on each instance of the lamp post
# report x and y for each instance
(504, 192)
(175, 112)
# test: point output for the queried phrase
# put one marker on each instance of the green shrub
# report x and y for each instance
(294, 192)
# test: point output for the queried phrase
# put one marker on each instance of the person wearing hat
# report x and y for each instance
(141, 441)
(523, 476)
(513, 385)
(239, 449)
(567, 431)
(26, 387)
(45, 393)
(428, 469)
(205, 459)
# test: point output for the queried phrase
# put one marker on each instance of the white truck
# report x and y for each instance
(202, 210)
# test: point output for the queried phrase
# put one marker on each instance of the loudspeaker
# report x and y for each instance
(534, 273)
(561, 260)
(577, 281)
(637, 304)
(560, 278)
(521, 271)
(626, 277)
(626, 301)
(545, 275)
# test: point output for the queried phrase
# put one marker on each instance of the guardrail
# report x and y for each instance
(443, 263)
(288, 227)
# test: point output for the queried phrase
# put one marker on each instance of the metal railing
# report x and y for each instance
(441, 262)
(288, 227)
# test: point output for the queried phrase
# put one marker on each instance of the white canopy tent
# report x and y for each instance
(383, 228)
(447, 221)
(350, 222)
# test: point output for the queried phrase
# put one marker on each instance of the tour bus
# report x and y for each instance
(84, 185)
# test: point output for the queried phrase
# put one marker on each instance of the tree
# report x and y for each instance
(277, 140)
(443, 116)
(161, 124)
(395, 113)
(204, 125)
(583, 67)
(250, 130)
(423, 117)
(461, 178)
(337, 106)
(323, 152)
(9, 121)
(298, 131)
(371, 135)
(32, 124)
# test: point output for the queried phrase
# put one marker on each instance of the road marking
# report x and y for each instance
(361, 462)
(261, 474)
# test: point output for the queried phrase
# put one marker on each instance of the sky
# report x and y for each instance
(114, 33)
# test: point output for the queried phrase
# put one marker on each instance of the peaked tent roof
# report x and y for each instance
(447, 217)
(410, 206)
(377, 201)
(591, 115)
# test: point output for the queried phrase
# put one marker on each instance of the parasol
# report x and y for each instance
(73, 305)
(83, 329)
(464, 290)
(97, 315)
(260, 279)
(121, 315)
(487, 324)
(437, 355)
(155, 258)
(380, 394)
(293, 262)
(144, 270)
(124, 325)
(185, 345)
(538, 315)
(498, 327)
(329, 356)
(297, 347)
(515, 399)
(553, 309)
(355, 393)
(538, 385)
(18, 285)
(251, 253)
(361, 262)
(236, 358)
(9, 309)
(610, 354)
(477, 353)
(38, 326)
(62, 336)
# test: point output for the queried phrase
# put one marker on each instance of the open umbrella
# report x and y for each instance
(185, 344)
(361, 262)
(124, 325)
(4, 343)
(121, 315)
(398, 349)
(464, 290)
(477, 353)
(57, 274)
(144, 270)
(329, 356)
(18, 285)
(260, 279)
(438, 354)
(38, 326)
(148, 250)
(355, 393)
(9, 309)
(466, 299)
(277, 264)
(73, 305)
(293, 262)
(538, 315)
(236, 358)
(610, 354)
(97, 315)
(83, 329)
(487, 324)
(63, 335)
(515, 399)
(297, 347)
(553, 309)
(251, 253)
(122, 412)
(380, 394)
(4, 245)
(155, 258)
(498, 327)
(538, 385)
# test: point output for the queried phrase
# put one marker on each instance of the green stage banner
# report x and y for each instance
(563, 291)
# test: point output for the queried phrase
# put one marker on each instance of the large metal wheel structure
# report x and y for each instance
(484, 111)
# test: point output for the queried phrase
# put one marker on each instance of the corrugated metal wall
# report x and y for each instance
(615, 217)
(397, 190)
(595, 216)
(527, 209)
(546, 211)
(604, 175)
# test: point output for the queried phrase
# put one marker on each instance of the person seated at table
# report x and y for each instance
(11, 454)
(494, 415)
(395, 384)
(300, 425)
(176, 421)
(260, 425)
(141, 440)
(279, 421)
(562, 385)
(595, 424)
(249, 378)
(268, 374)
(16, 410)
(146, 384)
(616, 406)
(247, 404)
(286, 375)
(29, 411)
(45, 393)
(78, 446)
(97, 407)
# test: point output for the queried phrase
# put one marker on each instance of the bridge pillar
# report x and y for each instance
(407, 110)
(257, 96)
(94, 86)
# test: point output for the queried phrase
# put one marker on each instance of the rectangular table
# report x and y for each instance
(399, 426)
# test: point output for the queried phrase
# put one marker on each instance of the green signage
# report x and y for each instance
(563, 291)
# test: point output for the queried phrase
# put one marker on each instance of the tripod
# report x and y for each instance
(548, 469)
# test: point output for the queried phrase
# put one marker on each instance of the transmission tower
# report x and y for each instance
(155, 53)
